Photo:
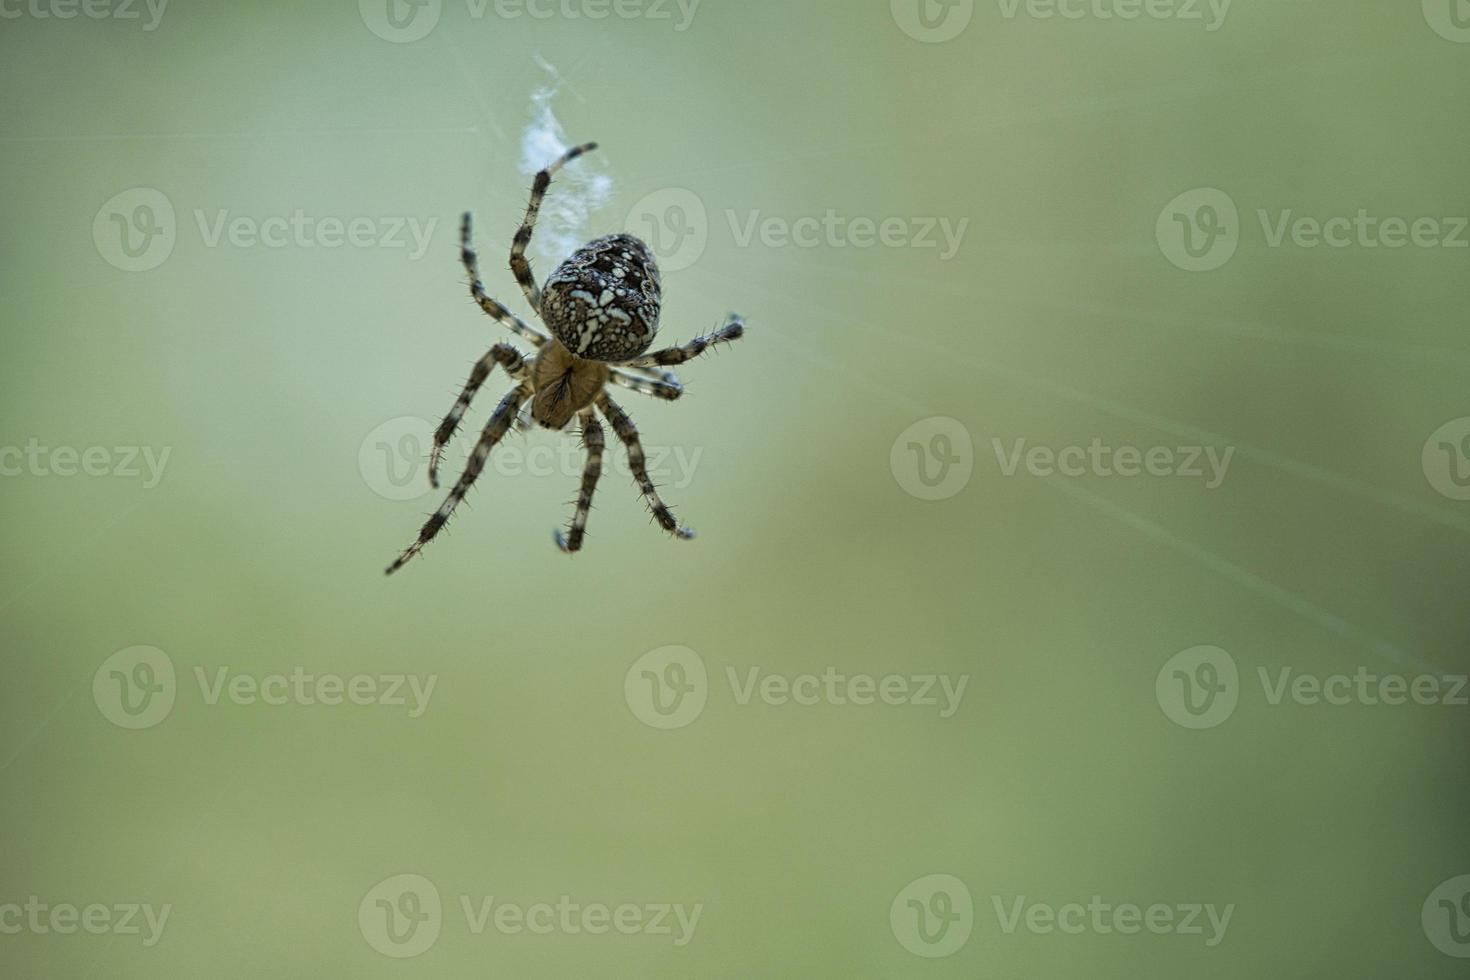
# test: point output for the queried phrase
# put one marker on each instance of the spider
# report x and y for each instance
(602, 308)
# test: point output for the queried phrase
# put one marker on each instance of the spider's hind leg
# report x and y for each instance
(502, 354)
(495, 430)
(592, 437)
(628, 433)
(645, 382)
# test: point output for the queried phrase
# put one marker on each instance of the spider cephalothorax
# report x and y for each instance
(602, 307)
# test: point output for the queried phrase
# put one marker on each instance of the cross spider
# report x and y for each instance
(602, 307)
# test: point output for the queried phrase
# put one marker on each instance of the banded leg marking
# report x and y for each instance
(495, 430)
(503, 354)
(593, 439)
(628, 433)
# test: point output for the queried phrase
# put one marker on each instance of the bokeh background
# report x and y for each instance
(853, 512)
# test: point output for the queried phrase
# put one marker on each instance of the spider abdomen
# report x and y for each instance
(603, 302)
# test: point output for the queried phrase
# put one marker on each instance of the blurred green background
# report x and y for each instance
(283, 382)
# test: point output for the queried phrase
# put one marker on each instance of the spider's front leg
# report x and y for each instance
(592, 437)
(519, 265)
(628, 433)
(489, 304)
(515, 366)
(495, 430)
(733, 329)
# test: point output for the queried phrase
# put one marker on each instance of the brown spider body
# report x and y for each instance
(602, 307)
(563, 384)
